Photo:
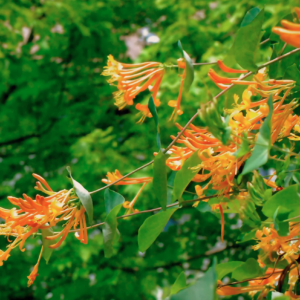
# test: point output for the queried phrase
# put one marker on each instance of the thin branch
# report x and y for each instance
(265, 41)
(159, 208)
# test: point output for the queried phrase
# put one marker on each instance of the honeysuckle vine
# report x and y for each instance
(218, 161)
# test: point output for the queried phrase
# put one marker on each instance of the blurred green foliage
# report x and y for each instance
(56, 110)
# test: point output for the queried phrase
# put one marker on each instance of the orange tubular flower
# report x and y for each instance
(229, 290)
(34, 274)
(133, 79)
(41, 213)
(176, 103)
(145, 112)
(129, 205)
(219, 165)
(114, 176)
(290, 34)
(226, 69)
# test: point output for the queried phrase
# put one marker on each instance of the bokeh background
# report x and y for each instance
(57, 110)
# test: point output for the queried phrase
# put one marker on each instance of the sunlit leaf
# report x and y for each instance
(189, 77)
(152, 227)
(84, 197)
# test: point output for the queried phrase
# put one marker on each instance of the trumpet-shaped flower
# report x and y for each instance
(114, 176)
(41, 213)
(290, 33)
(132, 79)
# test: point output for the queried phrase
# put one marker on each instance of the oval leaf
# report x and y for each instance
(179, 284)
(204, 288)
(110, 231)
(153, 111)
(226, 268)
(288, 199)
(249, 269)
(47, 252)
(84, 197)
(262, 147)
(160, 181)
(112, 199)
(152, 227)
(189, 76)
(184, 176)
(247, 40)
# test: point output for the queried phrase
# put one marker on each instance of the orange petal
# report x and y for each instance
(289, 25)
(226, 69)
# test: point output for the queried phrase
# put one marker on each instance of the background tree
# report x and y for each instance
(56, 110)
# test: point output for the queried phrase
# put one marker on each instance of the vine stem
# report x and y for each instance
(194, 117)
(159, 208)
(215, 62)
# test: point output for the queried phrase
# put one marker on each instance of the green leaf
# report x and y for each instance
(281, 227)
(47, 252)
(247, 40)
(189, 77)
(184, 176)
(204, 288)
(248, 269)
(110, 231)
(273, 68)
(152, 227)
(226, 268)
(203, 206)
(245, 237)
(250, 16)
(112, 199)
(84, 197)
(288, 199)
(179, 284)
(244, 149)
(170, 187)
(262, 147)
(160, 187)
(293, 73)
(281, 297)
(153, 111)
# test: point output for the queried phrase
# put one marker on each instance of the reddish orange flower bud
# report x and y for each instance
(226, 69)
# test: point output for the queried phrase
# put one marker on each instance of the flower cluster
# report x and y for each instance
(290, 34)
(132, 79)
(219, 163)
(30, 215)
